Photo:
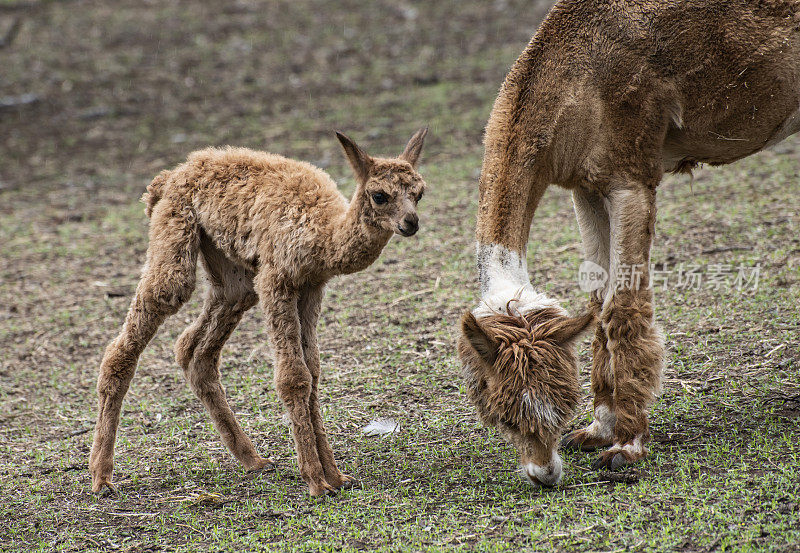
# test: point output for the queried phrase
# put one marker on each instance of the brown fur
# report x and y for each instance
(607, 97)
(267, 229)
(603, 391)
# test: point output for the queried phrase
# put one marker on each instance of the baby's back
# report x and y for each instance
(249, 202)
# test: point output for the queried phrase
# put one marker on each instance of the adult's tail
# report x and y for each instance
(155, 191)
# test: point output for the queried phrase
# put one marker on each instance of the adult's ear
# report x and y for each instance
(358, 158)
(414, 147)
(477, 338)
(567, 329)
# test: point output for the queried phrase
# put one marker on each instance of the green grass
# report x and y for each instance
(723, 474)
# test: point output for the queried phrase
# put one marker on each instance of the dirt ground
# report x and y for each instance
(97, 97)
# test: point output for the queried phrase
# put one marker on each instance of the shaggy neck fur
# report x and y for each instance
(510, 192)
(502, 263)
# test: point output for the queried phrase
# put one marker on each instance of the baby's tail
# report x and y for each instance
(155, 190)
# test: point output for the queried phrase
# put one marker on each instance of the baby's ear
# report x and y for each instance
(359, 160)
(476, 338)
(414, 147)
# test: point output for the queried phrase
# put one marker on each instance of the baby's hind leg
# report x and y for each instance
(167, 282)
(198, 349)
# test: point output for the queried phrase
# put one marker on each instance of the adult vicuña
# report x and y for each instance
(608, 96)
(267, 228)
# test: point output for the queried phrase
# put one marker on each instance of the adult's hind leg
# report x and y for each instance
(198, 349)
(168, 279)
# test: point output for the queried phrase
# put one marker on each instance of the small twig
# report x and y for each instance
(620, 477)
(567, 247)
(776, 348)
(139, 515)
(597, 483)
(411, 295)
(50, 470)
(78, 432)
(608, 478)
(67, 435)
(573, 532)
(94, 542)
(721, 249)
(192, 528)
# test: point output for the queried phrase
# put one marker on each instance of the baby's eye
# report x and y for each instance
(380, 198)
(419, 196)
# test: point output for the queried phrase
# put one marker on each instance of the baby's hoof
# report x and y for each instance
(262, 465)
(104, 489)
(347, 482)
(320, 489)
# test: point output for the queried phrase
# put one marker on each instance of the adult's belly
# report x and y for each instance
(689, 146)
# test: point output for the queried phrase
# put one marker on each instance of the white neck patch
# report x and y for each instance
(503, 275)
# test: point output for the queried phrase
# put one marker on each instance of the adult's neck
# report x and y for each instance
(509, 196)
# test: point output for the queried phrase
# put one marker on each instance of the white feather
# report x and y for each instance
(380, 427)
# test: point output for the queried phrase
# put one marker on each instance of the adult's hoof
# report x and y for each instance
(619, 456)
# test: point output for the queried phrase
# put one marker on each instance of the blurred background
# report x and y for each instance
(101, 95)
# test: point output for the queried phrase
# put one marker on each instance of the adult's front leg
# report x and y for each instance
(293, 379)
(594, 226)
(600, 433)
(634, 343)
